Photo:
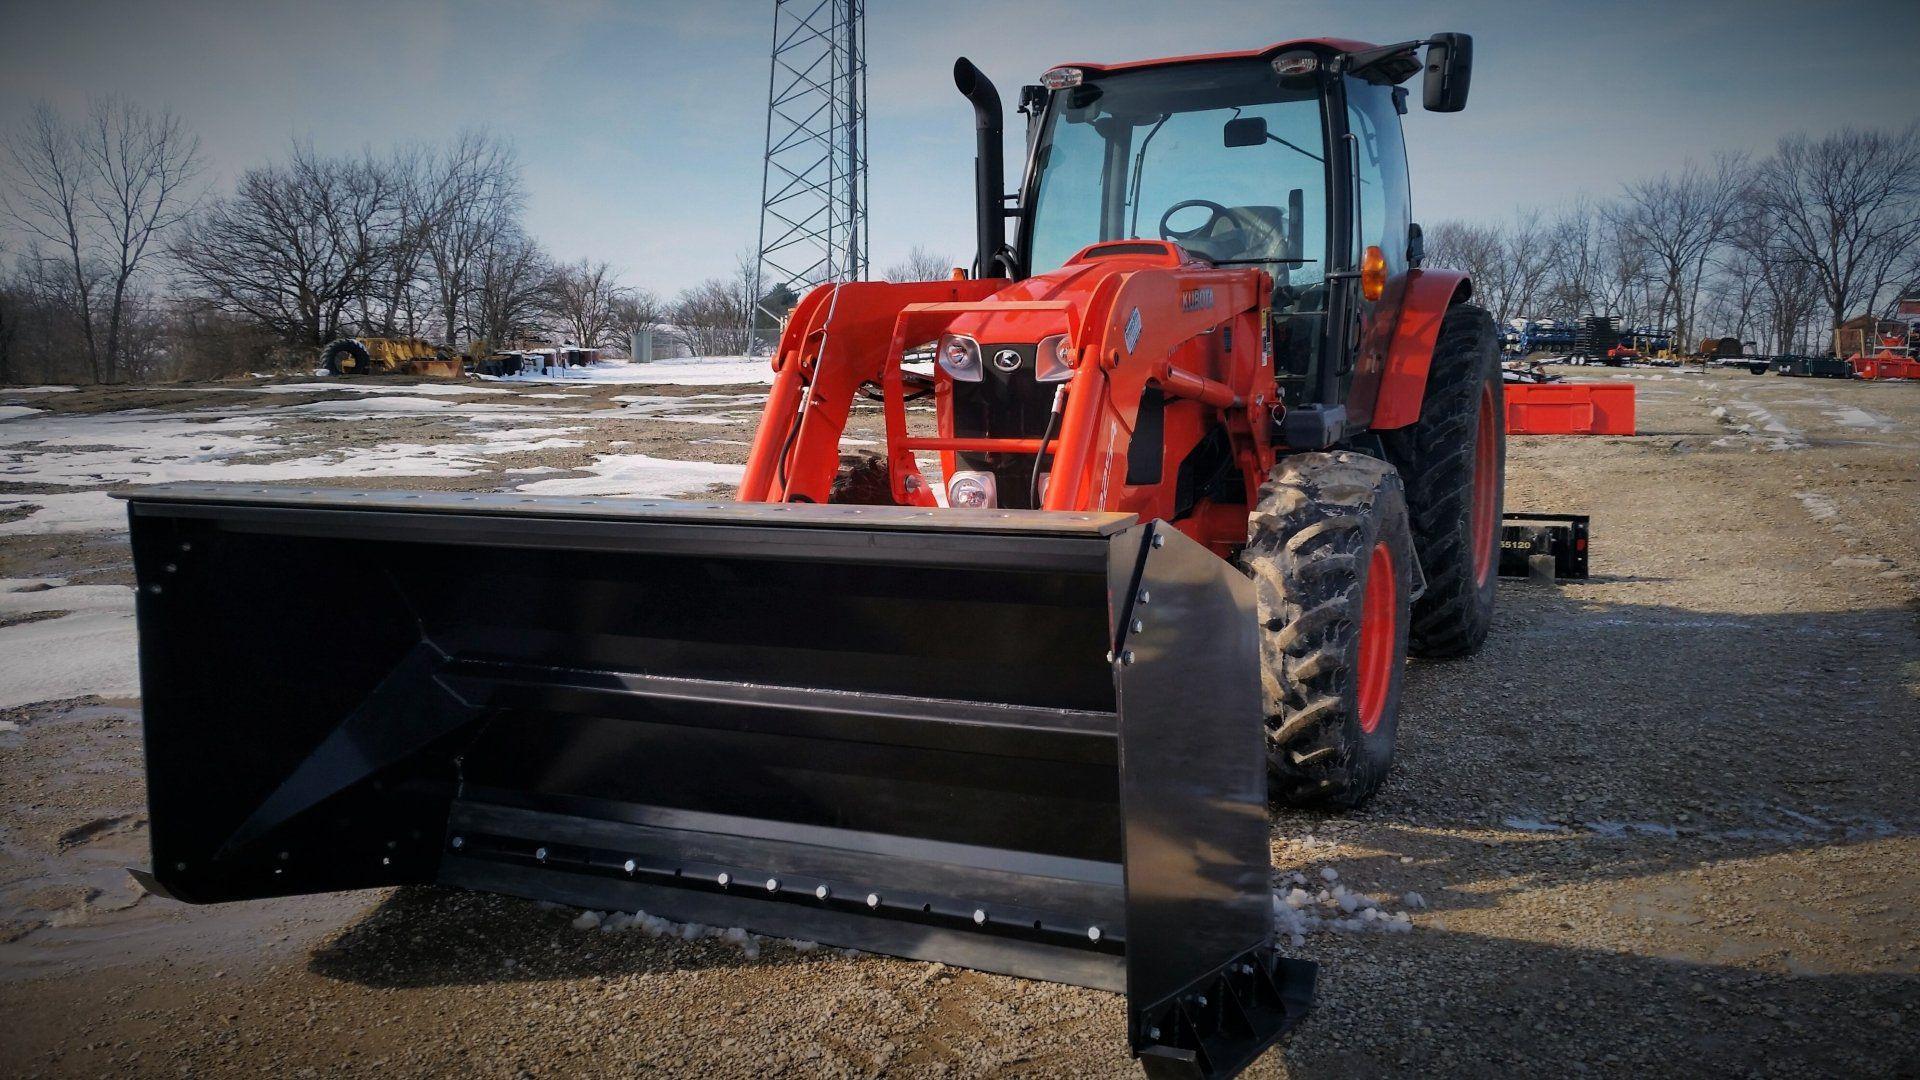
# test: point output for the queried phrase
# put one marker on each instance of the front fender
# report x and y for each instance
(1403, 384)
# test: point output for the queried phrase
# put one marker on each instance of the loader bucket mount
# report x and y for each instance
(1020, 741)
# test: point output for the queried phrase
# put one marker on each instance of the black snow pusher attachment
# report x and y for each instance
(1544, 546)
(1018, 741)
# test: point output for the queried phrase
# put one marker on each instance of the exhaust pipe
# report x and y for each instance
(989, 169)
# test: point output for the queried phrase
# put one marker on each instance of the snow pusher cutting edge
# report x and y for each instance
(415, 688)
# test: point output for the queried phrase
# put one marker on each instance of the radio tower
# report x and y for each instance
(813, 179)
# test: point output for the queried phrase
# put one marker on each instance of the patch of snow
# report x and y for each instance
(429, 389)
(90, 650)
(1854, 417)
(1819, 506)
(1297, 912)
(695, 408)
(639, 476)
(684, 371)
(1632, 828)
(38, 389)
(67, 512)
(654, 926)
(15, 412)
(90, 451)
(1532, 825)
(1761, 427)
(395, 407)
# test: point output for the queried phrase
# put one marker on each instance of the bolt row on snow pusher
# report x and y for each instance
(1171, 485)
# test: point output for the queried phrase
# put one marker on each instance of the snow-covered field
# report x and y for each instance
(568, 434)
(684, 371)
(64, 641)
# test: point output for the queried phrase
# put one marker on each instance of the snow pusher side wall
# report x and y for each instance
(1019, 741)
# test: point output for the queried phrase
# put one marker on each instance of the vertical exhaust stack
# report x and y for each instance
(989, 167)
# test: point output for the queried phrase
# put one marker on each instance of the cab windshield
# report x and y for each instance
(1223, 158)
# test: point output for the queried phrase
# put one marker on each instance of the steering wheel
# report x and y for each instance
(1219, 213)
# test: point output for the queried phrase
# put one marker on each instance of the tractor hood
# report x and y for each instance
(1074, 284)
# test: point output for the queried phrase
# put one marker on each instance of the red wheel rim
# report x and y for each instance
(1379, 610)
(1484, 514)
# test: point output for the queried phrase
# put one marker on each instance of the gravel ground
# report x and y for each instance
(1664, 824)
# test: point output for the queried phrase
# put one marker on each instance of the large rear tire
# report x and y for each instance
(1331, 559)
(1454, 461)
(347, 357)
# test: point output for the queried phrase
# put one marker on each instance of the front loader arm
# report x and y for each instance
(1153, 326)
(837, 339)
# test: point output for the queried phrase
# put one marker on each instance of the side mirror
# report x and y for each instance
(1449, 72)
(1246, 131)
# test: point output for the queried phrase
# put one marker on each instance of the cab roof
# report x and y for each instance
(1345, 45)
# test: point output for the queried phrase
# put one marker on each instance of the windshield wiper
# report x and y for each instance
(1248, 262)
(1139, 166)
(1296, 149)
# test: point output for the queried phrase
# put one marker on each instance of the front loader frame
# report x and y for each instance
(1135, 320)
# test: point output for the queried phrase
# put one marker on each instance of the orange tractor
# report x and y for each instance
(1208, 454)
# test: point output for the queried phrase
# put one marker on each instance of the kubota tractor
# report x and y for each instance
(1208, 453)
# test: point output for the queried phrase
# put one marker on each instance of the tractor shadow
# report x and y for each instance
(1702, 888)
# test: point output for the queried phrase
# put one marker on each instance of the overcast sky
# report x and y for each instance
(641, 123)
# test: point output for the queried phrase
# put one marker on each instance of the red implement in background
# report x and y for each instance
(1884, 365)
(1570, 408)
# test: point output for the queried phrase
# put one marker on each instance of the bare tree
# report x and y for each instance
(1526, 251)
(1476, 250)
(99, 197)
(1678, 222)
(509, 294)
(1573, 262)
(142, 165)
(634, 311)
(46, 198)
(295, 245)
(397, 292)
(921, 264)
(1847, 207)
(471, 196)
(580, 299)
(714, 317)
(1787, 294)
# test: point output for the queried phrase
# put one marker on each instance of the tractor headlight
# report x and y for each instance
(970, 490)
(1053, 359)
(959, 357)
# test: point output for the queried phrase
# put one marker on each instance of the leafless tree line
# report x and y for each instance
(1778, 251)
(94, 200)
(130, 269)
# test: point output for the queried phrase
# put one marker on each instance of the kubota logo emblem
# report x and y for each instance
(1196, 299)
(1007, 360)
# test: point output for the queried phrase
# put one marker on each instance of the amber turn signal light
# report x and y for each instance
(1373, 273)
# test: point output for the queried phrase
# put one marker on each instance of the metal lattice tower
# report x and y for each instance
(813, 181)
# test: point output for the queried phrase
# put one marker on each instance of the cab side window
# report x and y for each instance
(1383, 211)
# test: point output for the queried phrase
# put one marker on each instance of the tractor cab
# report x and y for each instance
(1286, 160)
